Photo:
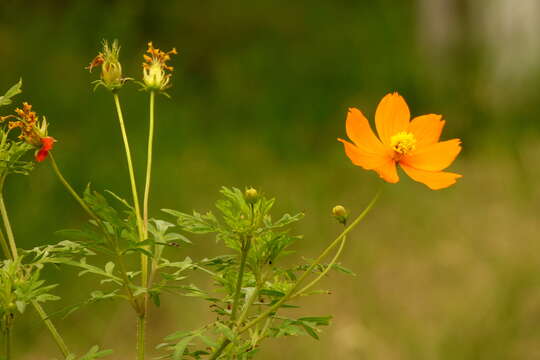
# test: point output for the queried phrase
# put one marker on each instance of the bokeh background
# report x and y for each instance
(261, 90)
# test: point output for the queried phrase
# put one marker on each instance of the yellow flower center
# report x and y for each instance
(403, 142)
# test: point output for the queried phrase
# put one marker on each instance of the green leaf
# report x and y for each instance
(180, 347)
(21, 306)
(225, 331)
(14, 90)
(109, 267)
(196, 223)
(286, 219)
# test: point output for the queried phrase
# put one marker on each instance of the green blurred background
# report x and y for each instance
(260, 95)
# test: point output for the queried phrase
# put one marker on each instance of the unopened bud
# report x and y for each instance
(340, 213)
(251, 195)
(111, 69)
(111, 74)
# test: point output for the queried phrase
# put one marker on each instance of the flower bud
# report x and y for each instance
(251, 195)
(340, 213)
(111, 69)
(111, 73)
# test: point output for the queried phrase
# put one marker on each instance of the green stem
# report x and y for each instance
(100, 223)
(220, 349)
(246, 244)
(141, 325)
(7, 339)
(5, 247)
(323, 273)
(292, 290)
(130, 165)
(148, 163)
(141, 335)
(7, 226)
(247, 305)
(70, 189)
(52, 329)
(144, 259)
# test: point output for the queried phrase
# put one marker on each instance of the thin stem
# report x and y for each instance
(246, 244)
(141, 324)
(323, 273)
(149, 163)
(7, 226)
(247, 305)
(52, 329)
(70, 189)
(260, 335)
(292, 290)
(100, 223)
(5, 247)
(141, 334)
(220, 349)
(7, 340)
(144, 259)
(130, 165)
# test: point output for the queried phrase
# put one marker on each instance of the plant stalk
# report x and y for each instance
(5, 247)
(7, 226)
(52, 329)
(141, 324)
(141, 335)
(149, 155)
(7, 340)
(149, 163)
(245, 250)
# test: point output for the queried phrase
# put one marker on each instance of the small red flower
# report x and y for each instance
(47, 144)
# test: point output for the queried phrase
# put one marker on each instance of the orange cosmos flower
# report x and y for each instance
(413, 144)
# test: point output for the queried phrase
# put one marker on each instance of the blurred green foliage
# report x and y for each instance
(260, 92)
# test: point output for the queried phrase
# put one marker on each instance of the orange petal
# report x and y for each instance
(365, 159)
(388, 171)
(435, 180)
(426, 129)
(359, 131)
(391, 117)
(434, 157)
